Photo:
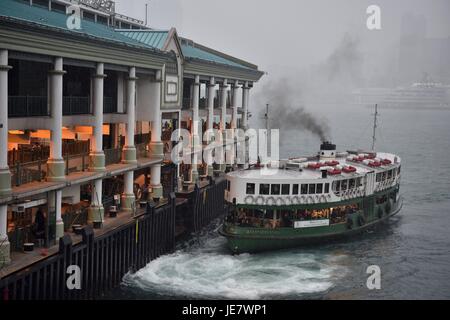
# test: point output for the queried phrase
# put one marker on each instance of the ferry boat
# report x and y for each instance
(308, 200)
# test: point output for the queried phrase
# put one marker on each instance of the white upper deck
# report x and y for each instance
(331, 177)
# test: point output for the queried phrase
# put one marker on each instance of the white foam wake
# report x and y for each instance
(207, 270)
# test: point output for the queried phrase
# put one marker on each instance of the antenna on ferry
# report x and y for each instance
(375, 125)
(266, 117)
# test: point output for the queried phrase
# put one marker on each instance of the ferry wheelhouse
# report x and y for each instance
(312, 199)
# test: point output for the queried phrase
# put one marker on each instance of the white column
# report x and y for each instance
(156, 147)
(5, 175)
(55, 164)
(4, 243)
(234, 105)
(223, 105)
(195, 129)
(245, 99)
(97, 156)
(129, 151)
(211, 95)
(223, 119)
(59, 221)
(210, 123)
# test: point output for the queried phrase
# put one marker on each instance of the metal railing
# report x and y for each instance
(27, 106)
(109, 105)
(113, 156)
(23, 173)
(76, 105)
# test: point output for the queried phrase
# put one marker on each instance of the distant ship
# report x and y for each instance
(419, 95)
(312, 199)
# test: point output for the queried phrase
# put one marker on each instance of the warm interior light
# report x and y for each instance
(16, 132)
(84, 129)
(106, 129)
(41, 134)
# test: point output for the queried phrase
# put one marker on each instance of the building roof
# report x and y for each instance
(20, 10)
(153, 38)
(195, 51)
(190, 49)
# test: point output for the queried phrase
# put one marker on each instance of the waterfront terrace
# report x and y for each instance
(86, 116)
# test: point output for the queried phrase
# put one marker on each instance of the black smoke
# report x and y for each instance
(287, 113)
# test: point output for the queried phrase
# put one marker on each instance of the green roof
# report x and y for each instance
(157, 38)
(20, 10)
(191, 51)
(151, 38)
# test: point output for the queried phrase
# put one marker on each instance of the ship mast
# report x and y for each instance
(266, 117)
(375, 125)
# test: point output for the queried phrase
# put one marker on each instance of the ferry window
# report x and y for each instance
(304, 189)
(344, 185)
(358, 182)
(327, 187)
(389, 174)
(319, 188)
(378, 179)
(264, 188)
(383, 176)
(312, 189)
(295, 189)
(250, 188)
(228, 185)
(285, 188)
(351, 183)
(275, 189)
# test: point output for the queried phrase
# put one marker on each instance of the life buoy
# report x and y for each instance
(361, 220)
(249, 200)
(295, 200)
(270, 201)
(303, 199)
(280, 202)
(323, 199)
(260, 200)
(310, 200)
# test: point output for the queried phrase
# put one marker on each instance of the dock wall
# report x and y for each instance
(105, 259)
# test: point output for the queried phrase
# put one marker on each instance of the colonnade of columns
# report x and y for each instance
(56, 165)
(223, 93)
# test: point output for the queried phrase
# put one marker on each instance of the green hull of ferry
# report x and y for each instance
(255, 239)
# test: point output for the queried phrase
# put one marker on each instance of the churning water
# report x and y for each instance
(412, 249)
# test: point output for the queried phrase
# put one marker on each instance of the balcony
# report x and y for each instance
(76, 105)
(27, 106)
(109, 105)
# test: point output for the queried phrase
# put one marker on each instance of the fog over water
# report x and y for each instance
(315, 54)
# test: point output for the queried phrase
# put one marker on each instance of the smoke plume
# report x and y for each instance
(286, 111)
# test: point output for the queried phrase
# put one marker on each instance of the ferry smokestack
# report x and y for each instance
(327, 150)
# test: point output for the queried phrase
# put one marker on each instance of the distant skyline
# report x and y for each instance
(276, 34)
(319, 47)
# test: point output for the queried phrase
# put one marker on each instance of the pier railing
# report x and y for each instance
(102, 260)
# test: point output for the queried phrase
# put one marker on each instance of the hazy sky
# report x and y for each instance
(318, 47)
(283, 33)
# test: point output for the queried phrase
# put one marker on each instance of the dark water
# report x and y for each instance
(412, 250)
